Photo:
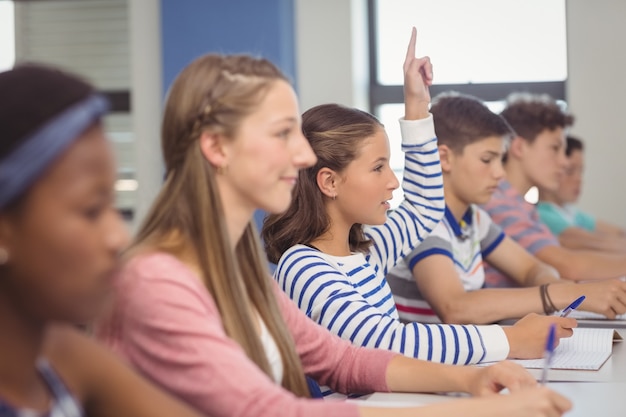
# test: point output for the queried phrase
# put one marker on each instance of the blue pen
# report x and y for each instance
(548, 353)
(572, 306)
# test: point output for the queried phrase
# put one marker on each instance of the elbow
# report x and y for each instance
(570, 270)
(451, 315)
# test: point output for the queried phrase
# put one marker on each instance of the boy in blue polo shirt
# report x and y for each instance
(448, 265)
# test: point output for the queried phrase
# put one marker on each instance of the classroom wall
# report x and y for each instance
(596, 90)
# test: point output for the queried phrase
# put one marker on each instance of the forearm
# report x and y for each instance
(581, 239)
(410, 375)
(583, 265)
(491, 305)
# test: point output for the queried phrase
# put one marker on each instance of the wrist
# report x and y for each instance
(417, 110)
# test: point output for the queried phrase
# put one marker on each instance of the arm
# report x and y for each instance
(324, 294)
(103, 382)
(579, 238)
(609, 229)
(172, 332)
(577, 265)
(423, 206)
(439, 283)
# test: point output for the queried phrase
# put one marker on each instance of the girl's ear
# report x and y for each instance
(327, 182)
(214, 148)
(446, 155)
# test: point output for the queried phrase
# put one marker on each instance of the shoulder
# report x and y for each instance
(301, 256)
(153, 269)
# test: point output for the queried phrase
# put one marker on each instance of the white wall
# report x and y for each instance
(331, 52)
(596, 90)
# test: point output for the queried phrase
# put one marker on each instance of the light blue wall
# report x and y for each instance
(195, 27)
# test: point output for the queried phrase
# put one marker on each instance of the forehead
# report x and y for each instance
(487, 144)
(278, 103)
(86, 162)
(374, 146)
(551, 135)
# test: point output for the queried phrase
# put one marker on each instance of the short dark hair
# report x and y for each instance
(461, 120)
(530, 114)
(573, 144)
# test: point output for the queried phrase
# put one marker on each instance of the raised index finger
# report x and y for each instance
(410, 53)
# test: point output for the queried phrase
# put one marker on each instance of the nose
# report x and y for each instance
(303, 155)
(498, 169)
(563, 161)
(115, 232)
(393, 180)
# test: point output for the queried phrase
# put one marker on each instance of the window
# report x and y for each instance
(7, 35)
(486, 48)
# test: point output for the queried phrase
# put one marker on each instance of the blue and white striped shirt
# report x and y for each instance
(350, 296)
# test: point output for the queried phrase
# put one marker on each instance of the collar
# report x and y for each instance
(459, 228)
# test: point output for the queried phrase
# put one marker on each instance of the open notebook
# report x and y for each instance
(587, 349)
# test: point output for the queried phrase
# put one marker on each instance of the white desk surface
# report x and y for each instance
(603, 393)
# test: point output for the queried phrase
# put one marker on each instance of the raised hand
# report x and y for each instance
(418, 75)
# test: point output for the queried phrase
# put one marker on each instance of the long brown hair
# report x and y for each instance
(215, 93)
(335, 133)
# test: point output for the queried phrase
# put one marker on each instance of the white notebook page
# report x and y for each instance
(587, 349)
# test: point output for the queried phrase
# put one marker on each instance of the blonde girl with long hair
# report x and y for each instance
(195, 308)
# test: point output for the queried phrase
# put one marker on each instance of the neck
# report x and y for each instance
(334, 241)
(548, 197)
(237, 213)
(21, 341)
(456, 206)
(516, 177)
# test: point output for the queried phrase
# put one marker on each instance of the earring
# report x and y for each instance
(4, 256)
(334, 197)
(221, 170)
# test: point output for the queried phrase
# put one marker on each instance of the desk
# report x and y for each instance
(605, 397)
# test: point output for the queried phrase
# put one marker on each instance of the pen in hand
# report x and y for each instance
(572, 306)
(548, 353)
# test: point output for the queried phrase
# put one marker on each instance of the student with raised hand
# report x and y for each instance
(334, 268)
(442, 279)
(536, 157)
(575, 228)
(60, 237)
(196, 310)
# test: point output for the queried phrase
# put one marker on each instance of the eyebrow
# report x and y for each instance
(494, 153)
(285, 119)
(381, 159)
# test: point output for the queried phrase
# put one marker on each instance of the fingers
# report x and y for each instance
(515, 377)
(410, 52)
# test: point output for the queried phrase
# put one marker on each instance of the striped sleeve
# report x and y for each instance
(423, 204)
(519, 223)
(327, 296)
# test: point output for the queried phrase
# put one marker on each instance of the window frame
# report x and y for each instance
(380, 94)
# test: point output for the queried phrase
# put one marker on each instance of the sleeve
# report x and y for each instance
(518, 224)
(330, 360)
(174, 335)
(437, 243)
(585, 220)
(326, 296)
(552, 219)
(423, 204)
(489, 233)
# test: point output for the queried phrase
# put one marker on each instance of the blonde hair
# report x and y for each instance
(215, 93)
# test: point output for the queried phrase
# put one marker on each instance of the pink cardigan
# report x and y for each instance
(166, 324)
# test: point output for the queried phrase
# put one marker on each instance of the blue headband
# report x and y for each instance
(23, 166)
